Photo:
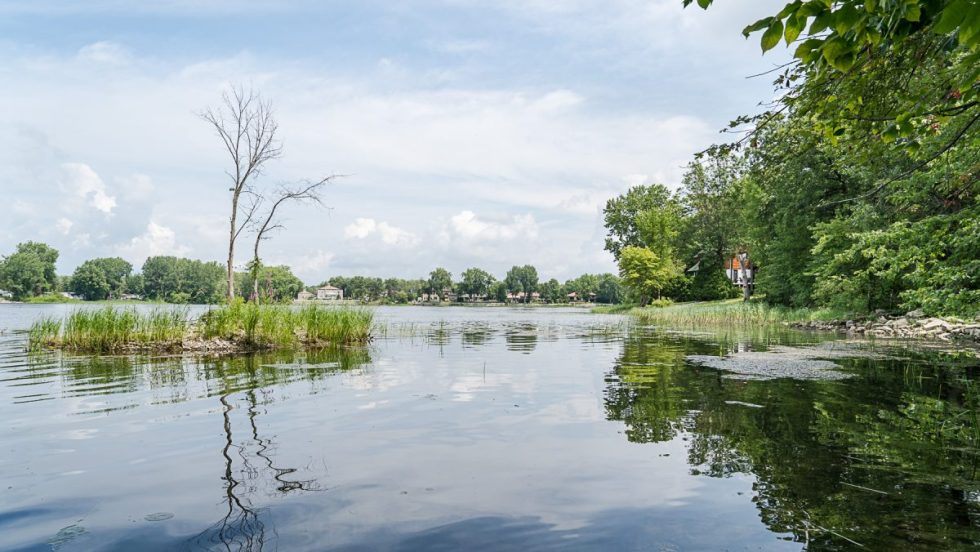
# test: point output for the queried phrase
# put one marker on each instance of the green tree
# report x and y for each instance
(551, 292)
(29, 271)
(522, 279)
(476, 282)
(621, 213)
(102, 278)
(89, 282)
(180, 280)
(610, 289)
(645, 272)
(439, 280)
(275, 284)
(713, 226)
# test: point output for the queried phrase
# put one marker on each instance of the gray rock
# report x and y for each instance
(936, 324)
(917, 313)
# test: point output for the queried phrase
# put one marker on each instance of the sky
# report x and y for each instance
(467, 133)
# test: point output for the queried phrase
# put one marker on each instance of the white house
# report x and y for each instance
(305, 296)
(329, 293)
(733, 269)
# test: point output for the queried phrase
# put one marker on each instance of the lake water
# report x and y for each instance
(485, 429)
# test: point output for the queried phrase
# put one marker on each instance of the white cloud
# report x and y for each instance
(85, 183)
(105, 52)
(312, 267)
(466, 226)
(558, 100)
(156, 240)
(360, 228)
(363, 228)
(460, 46)
(496, 148)
(63, 225)
(135, 186)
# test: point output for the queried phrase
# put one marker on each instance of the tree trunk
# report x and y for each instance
(746, 290)
(231, 248)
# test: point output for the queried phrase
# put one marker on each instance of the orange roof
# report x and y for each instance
(736, 264)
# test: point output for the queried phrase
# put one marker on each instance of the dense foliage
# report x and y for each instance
(179, 280)
(99, 279)
(857, 189)
(29, 271)
(277, 284)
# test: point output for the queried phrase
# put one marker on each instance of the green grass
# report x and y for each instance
(111, 329)
(621, 308)
(52, 298)
(734, 312)
(283, 326)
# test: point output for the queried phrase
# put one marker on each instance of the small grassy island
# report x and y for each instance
(237, 327)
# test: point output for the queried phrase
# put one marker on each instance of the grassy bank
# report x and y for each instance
(230, 328)
(730, 313)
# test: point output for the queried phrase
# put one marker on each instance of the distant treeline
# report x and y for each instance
(30, 272)
(520, 284)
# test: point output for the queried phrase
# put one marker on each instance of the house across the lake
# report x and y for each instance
(329, 293)
(323, 293)
(733, 269)
(305, 296)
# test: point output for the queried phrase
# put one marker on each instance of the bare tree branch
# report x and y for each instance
(306, 192)
(247, 128)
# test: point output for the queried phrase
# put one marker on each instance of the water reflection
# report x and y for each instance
(888, 459)
(491, 432)
(243, 526)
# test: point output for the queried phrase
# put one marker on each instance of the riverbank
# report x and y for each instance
(911, 326)
(235, 328)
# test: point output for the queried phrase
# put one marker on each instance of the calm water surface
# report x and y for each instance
(484, 429)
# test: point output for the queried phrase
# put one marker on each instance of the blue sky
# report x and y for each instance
(473, 133)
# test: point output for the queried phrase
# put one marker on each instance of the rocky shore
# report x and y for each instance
(913, 325)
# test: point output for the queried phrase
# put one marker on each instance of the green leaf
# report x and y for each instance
(757, 26)
(821, 22)
(970, 29)
(869, 6)
(913, 12)
(952, 16)
(843, 63)
(772, 35)
(704, 4)
(789, 9)
(846, 18)
(834, 48)
(810, 9)
(794, 26)
(808, 51)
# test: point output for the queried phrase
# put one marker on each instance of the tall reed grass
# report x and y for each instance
(283, 326)
(111, 329)
(730, 313)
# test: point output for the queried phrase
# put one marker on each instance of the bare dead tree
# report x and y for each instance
(309, 192)
(247, 128)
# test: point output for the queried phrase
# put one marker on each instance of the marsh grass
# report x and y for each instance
(42, 332)
(110, 329)
(730, 313)
(283, 326)
(246, 325)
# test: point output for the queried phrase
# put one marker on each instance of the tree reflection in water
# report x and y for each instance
(243, 527)
(888, 459)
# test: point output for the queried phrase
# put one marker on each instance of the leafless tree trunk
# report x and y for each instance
(743, 260)
(247, 128)
(307, 192)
